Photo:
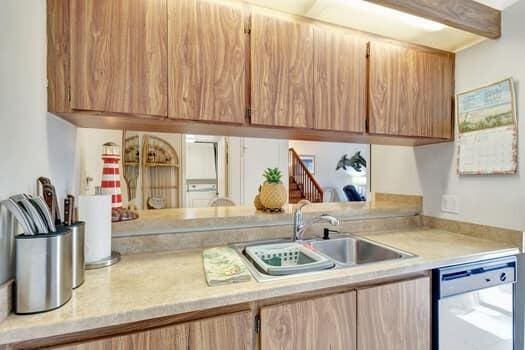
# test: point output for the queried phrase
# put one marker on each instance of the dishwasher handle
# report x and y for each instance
(466, 278)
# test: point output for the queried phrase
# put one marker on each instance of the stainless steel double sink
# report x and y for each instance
(344, 250)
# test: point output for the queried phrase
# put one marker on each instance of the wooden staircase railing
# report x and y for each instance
(306, 182)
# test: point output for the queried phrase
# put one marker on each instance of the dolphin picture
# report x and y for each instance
(357, 162)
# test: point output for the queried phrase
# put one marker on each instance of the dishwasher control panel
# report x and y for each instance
(460, 279)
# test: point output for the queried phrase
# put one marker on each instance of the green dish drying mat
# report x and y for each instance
(223, 265)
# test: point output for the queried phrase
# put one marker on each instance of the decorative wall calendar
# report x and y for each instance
(488, 130)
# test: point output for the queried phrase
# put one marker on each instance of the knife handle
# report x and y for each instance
(72, 211)
(49, 199)
(67, 211)
(52, 202)
(42, 181)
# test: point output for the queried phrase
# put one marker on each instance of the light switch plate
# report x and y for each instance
(450, 204)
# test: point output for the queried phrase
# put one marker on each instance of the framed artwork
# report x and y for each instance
(309, 161)
(488, 130)
(487, 107)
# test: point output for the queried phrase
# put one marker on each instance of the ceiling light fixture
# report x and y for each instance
(411, 20)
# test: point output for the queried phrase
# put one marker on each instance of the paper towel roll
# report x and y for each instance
(95, 211)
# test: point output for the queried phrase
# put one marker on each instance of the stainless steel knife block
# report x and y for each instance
(44, 273)
(79, 261)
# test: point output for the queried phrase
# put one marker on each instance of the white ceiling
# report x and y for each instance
(497, 4)
(362, 15)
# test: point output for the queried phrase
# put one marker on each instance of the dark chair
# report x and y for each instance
(352, 195)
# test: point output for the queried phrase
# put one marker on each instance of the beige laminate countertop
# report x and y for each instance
(147, 286)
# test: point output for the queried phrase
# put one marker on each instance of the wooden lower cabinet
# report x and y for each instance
(230, 332)
(233, 332)
(321, 323)
(395, 316)
(391, 316)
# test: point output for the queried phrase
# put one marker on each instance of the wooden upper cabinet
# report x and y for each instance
(395, 316)
(340, 75)
(119, 56)
(207, 55)
(410, 91)
(281, 65)
(320, 323)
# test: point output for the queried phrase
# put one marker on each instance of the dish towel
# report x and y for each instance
(223, 265)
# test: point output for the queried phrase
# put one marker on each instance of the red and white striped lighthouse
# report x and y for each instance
(111, 174)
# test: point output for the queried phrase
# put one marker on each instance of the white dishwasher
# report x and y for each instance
(473, 306)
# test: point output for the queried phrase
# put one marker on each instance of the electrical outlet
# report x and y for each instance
(450, 204)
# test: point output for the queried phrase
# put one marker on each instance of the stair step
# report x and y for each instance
(294, 200)
(295, 196)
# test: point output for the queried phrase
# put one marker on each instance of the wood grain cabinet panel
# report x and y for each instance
(410, 91)
(169, 338)
(282, 75)
(230, 332)
(340, 75)
(57, 57)
(321, 323)
(119, 56)
(395, 316)
(207, 60)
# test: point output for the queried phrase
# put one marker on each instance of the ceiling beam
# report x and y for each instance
(466, 15)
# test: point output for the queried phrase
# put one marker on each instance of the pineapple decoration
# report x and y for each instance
(273, 194)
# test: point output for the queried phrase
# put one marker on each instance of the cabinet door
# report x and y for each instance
(321, 323)
(169, 338)
(282, 76)
(230, 332)
(207, 61)
(339, 80)
(410, 91)
(394, 316)
(119, 56)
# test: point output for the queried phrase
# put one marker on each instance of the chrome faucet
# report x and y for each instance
(299, 226)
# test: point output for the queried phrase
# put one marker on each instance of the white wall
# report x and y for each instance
(327, 154)
(32, 142)
(394, 170)
(431, 170)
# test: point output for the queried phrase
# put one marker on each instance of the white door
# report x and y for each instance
(257, 155)
(201, 161)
